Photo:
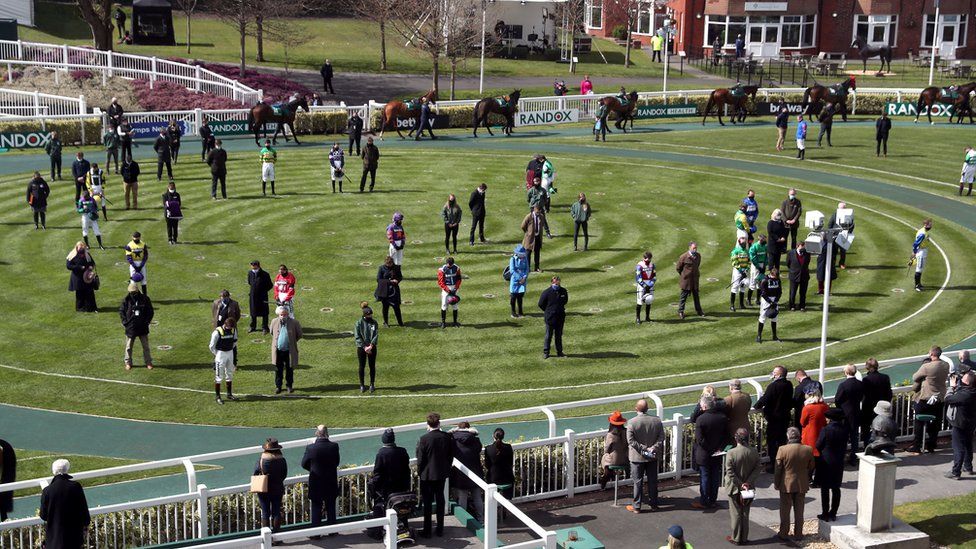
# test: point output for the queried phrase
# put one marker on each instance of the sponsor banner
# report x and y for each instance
(666, 111)
(232, 127)
(438, 122)
(149, 130)
(766, 6)
(30, 140)
(906, 108)
(763, 108)
(540, 118)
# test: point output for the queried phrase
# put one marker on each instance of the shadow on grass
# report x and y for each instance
(181, 301)
(208, 242)
(955, 529)
(879, 267)
(602, 354)
(575, 270)
(322, 333)
(339, 387)
(859, 294)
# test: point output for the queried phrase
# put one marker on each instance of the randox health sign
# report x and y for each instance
(666, 111)
(541, 118)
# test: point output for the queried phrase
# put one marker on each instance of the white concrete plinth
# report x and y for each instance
(875, 492)
(846, 534)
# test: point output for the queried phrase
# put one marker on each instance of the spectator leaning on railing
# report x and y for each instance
(645, 439)
(930, 390)
(961, 400)
(776, 404)
(64, 510)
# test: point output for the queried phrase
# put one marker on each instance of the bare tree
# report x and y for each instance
(98, 15)
(630, 9)
(237, 13)
(421, 24)
(187, 7)
(260, 6)
(377, 11)
(289, 32)
(462, 30)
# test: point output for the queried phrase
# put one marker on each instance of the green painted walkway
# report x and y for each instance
(58, 432)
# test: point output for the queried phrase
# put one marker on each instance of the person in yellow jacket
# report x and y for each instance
(740, 272)
(268, 158)
(676, 538)
(95, 183)
(657, 41)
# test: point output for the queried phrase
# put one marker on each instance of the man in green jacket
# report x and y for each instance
(757, 267)
(53, 149)
(740, 273)
(367, 335)
(111, 142)
(741, 473)
(536, 195)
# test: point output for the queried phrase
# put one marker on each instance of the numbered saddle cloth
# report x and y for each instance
(738, 91)
(502, 102)
(837, 89)
(623, 100)
(279, 109)
(412, 104)
(950, 93)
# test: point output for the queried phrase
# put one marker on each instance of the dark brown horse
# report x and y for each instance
(934, 94)
(505, 106)
(397, 109)
(836, 95)
(262, 113)
(723, 96)
(624, 112)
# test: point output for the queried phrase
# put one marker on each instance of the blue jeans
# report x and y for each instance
(637, 472)
(711, 476)
(962, 450)
(270, 507)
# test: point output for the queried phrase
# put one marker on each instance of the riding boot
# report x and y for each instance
(333, 185)
(638, 314)
(340, 185)
(272, 188)
(647, 313)
(759, 333)
(742, 300)
(732, 301)
(87, 245)
(105, 213)
(217, 391)
(230, 391)
(970, 193)
(264, 188)
(443, 317)
(145, 290)
(773, 327)
(750, 298)
(98, 238)
(456, 323)
(803, 156)
(960, 189)
(918, 280)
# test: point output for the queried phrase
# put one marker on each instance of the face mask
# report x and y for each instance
(792, 197)
(693, 252)
(255, 271)
(136, 240)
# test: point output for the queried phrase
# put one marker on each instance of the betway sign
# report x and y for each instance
(32, 140)
(910, 109)
(541, 118)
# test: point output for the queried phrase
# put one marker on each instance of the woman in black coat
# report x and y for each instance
(388, 290)
(776, 233)
(500, 463)
(272, 464)
(831, 444)
(79, 262)
(8, 473)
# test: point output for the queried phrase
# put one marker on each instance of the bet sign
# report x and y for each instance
(32, 140)
(541, 118)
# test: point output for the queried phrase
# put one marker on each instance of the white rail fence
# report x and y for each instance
(560, 465)
(109, 64)
(36, 104)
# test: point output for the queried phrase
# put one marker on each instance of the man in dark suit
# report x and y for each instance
(711, 436)
(354, 127)
(163, 149)
(64, 509)
(321, 460)
(849, 395)
(391, 469)
(435, 456)
(477, 206)
(798, 262)
(877, 387)
(79, 171)
(260, 282)
(327, 73)
(217, 159)
(776, 404)
(553, 302)
(804, 385)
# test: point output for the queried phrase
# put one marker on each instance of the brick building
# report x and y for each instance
(797, 26)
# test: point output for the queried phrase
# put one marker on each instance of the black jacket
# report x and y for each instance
(500, 463)
(354, 126)
(391, 471)
(881, 127)
(849, 395)
(553, 302)
(877, 387)
(832, 443)
(79, 168)
(711, 435)
(217, 159)
(800, 395)
(370, 155)
(326, 71)
(65, 510)
(435, 455)
(260, 283)
(130, 172)
(774, 231)
(136, 312)
(8, 474)
(963, 399)
(78, 265)
(467, 449)
(385, 291)
(206, 133)
(477, 203)
(799, 269)
(162, 147)
(275, 466)
(115, 111)
(37, 192)
(321, 460)
(777, 401)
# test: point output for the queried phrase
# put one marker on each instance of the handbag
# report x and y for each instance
(259, 483)
(507, 273)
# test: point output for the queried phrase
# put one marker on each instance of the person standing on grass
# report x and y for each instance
(426, 121)
(217, 159)
(387, 292)
(37, 193)
(801, 138)
(451, 214)
(752, 212)
(95, 183)
(259, 283)
(777, 231)
(321, 460)
(645, 444)
(548, 181)
(111, 142)
(533, 225)
(476, 203)
(600, 128)
(757, 265)
(536, 195)
(533, 171)
(826, 123)
(125, 138)
(115, 112)
(553, 301)
(740, 273)
(269, 156)
(792, 208)
(580, 211)
(206, 139)
(79, 170)
(223, 345)
(130, 183)
(163, 149)
(882, 127)
(968, 171)
(64, 510)
(174, 133)
(782, 124)
(81, 264)
(284, 283)
(371, 160)
(920, 251)
(518, 268)
(88, 209)
(53, 150)
(136, 313)
(397, 238)
(173, 210)
(327, 73)
(120, 18)
(798, 264)
(770, 292)
(285, 333)
(137, 255)
(646, 276)
(337, 163)
(742, 468)
(354, 127)
(689, 271)
(449, 279)
(657, 42)
(367, 334)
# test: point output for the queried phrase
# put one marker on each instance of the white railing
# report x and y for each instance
(24, 103)
(109, 64)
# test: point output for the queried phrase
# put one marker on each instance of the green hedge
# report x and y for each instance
(460, 117)
(68, 130)
(320, 122)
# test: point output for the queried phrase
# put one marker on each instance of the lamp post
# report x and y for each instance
(935, 36)
(829, 235)
(481, 77)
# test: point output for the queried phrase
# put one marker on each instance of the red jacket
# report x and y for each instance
(285, 284)
(812, 419)
(454, 278)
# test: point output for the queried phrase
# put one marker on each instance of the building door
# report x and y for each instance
(763, 38)
(947, 41)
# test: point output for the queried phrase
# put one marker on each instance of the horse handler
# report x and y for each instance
(968, 171)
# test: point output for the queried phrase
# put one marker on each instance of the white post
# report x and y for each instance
(198, 119)
(20, 49)
(481, 78)
(550, 540)
(111, 63)
(667, 58)
(826, 306)
(551, 417)
(390, 541)
(191, 474)
(677, 447)
(203, 529)
(491, 517)
(37, 103)
(84, 110)
(152, 76)
(266, 541)
(935, 36)
(569, 449)
(64, 51)
(197, 82)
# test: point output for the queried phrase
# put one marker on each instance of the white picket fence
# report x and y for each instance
(40, 105)
(109, 64)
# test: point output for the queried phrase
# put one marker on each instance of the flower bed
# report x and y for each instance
(276, 88)
(170, 96)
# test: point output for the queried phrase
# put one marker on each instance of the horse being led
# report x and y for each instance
(505, 106)
(835, 95)
(396, 109)
(284, 115)
(957, 96)
(735, 97)
(626, 109)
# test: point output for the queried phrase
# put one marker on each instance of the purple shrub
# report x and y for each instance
(275, 87)
(81, 75)
(170, 96)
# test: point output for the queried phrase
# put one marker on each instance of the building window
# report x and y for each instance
(594, 14)
(878, 30)
(952, 29)
(647, 21)
(798, 31)
(725, 28)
